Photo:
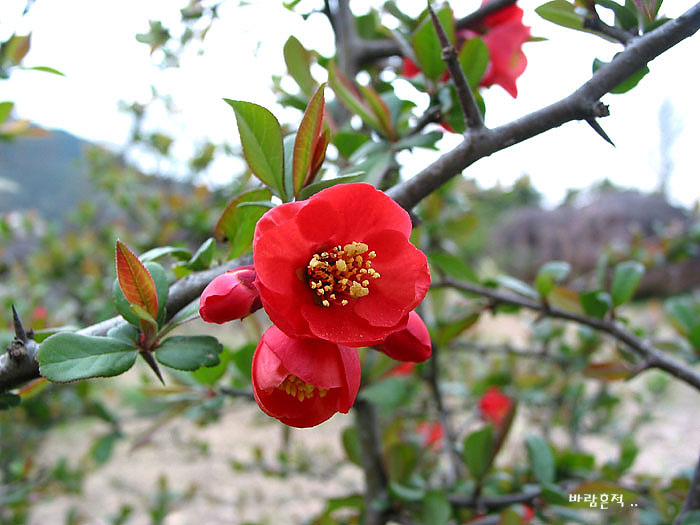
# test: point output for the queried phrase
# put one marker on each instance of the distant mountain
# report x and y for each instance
(47, 173)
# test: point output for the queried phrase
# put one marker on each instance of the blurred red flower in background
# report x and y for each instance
(230, 296)
(339, 266)
(432, 434)
(494, 405)
(303, 382)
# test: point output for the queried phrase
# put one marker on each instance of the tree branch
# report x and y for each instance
(15, 371)
(653, 357)
(581, 104)
(472, 115)
(692, 500)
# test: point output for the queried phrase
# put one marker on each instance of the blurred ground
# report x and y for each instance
(213, 460)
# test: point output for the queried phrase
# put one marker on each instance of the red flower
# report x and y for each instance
(504, 36)
(230, 296)
(401, 370)
(339, 266)
(494, 405)
(303, 382)
(410, 344)
(432, 434)
(410, 69)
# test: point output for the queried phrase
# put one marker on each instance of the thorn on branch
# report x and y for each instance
(148, 357)
(599, 130)
(20, 333)
(472, 115)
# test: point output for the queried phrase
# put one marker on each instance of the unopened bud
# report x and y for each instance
(230, 296)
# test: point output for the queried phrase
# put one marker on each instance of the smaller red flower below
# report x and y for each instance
(230, 296)
(432, 434)
(494, 405)
(410, 344)
(303, 382)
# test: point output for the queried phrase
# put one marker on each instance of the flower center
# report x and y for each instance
(296, 387)
(340, 273)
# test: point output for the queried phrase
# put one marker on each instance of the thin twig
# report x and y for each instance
(654, 357)
(472, 114)
(594, 23)
(236, 392)
(432, 377)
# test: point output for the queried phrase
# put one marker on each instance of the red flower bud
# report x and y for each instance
(432, 434)
(410, 344)
(494, 405)
(301, 381)
(230, 296)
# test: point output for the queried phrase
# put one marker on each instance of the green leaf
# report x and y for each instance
(426, 45)
(67, 357)
(453, 266)
(5, 110)
(351, 443)
(188, 313)
(156, 253)
(691, 518)
(627, 84)
(298, 60)
(148, 323)
(349, 96)
(596, 303)
(478, 451)
(624, 17)
(436, 508)
(347, 142)
(423, 140)
(204, 256)
(402, 459)
(474, 59)
(406, 493)
(9, 400)
(261, 138)
(210, 375)
(380, 111)
(237, 223)
(684, 314)
(242, 359)
(562, 13)
(551, 273)
(127, 333)
(45, 69)
(626, 278)
(314, 188)
(103, 447)
(516, 286)
(390, 392)
(448, 331)
(189, 352)
(307, 136)
(160, 279)
(554, 494)
(541, 459)
(607, 371)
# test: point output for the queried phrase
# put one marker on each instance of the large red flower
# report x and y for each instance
(339, 266)
(303, 382)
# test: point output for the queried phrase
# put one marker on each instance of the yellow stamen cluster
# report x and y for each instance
(341, 272)
(296, 387)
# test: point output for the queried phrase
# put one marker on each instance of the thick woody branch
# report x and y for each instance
(20, 368)
(580, 105)
(472, 115)
(652, 357)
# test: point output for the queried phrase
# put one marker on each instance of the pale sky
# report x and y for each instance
(92, 42)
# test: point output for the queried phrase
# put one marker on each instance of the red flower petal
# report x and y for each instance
(410, 344)
(494, 405)
(410, 69)
(507, 58)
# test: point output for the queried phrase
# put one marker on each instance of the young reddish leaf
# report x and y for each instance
(135, 281)
(308, 135)
(380, 110)
(350, 97)
(319, 155)
(261, 138)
